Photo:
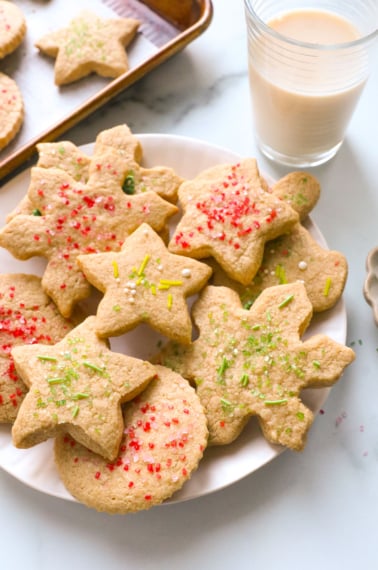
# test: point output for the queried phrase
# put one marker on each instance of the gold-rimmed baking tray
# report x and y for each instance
(167, 26)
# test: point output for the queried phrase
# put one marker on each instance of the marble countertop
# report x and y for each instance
(315, 509)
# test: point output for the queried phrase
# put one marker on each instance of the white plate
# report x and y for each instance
(221, 466)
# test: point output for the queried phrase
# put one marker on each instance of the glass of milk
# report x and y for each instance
(308, 63)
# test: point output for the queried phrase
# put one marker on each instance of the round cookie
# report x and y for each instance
(12, 27)
(164, 440)
(27, 316)
(11, 109)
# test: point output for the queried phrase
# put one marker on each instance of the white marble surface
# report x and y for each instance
(317, 509)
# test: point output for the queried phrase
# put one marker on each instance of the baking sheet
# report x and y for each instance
(50, 110)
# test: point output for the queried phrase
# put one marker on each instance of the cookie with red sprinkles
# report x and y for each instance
(254, 363)
(27, 316)
(71, 218)
(164, 440)
(12, 27)
(228, 215)
(295, 256)
(11, 109)
(77, 386)
(144, 282)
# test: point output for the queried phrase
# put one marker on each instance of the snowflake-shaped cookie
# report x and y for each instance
(254, 363)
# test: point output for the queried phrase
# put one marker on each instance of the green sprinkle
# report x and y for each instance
(300, 415)
(37, 212)
(57, 380)
(116, 308)
(79, 396)
(286, 301)
(75, 411)
(247, 304)
(225, 364)
(316, 363)
(48, 358)
(128, 185)
(327, 287)
(256, 327)
(41, 403)
(275, 402)
(244, 380)
(92, 366)
(226, 404)
(60, 403)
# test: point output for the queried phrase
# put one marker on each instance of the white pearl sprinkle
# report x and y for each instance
(131, 300)
(186, 272)
(133, 292)
(160, 267)
(302, 265)
(131, 285)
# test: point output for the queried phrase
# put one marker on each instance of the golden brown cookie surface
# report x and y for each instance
(11, 110)
(144, 283)
(229, 216)
(27, 316)
(164, 440)
(295, 256)
(71, 218)
(89, 44)
(12, 27)
(254, 363)
(76, 385)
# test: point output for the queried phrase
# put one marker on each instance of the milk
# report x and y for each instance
(303, 100)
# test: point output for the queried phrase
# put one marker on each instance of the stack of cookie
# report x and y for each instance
(128, 432)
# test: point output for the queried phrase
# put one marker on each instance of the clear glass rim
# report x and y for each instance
(308, 45)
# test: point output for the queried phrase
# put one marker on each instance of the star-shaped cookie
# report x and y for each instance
(254, 363)
(77, 386)
(71, 218)
(229, 216)
(144, 283)
(89, 44)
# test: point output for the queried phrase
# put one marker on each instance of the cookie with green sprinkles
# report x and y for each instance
(69, 218)
(295, 256)
(163, 443)
(144, 282)
(228, 215)
(77, 386)
(299, 189)
(255, 363)
(27, 316)
(89, 44)
(112, 167)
